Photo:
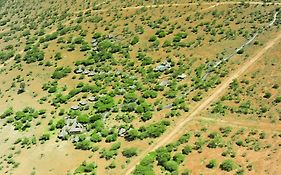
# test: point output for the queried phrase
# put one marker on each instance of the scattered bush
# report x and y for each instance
(228, 165)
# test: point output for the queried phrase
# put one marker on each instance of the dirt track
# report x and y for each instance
(179, 126)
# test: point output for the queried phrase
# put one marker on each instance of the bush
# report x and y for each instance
(60, 123)
(241, 51)
(176, 39)
(149, 94)
(212, 164)
(6, 55)
(133, 134)
(152, 38)
(58, 56)
(83, 118)
(7, 113)
(104, 103)
(228, 165)
(45, 137)
(135, 40)
(275, 86)
(187, 149)
(60, 72)
(167, 43)
(154, 130)
(161, 33)
(146, 165)
(84, 145)
(33, 55)
(129, 152)
(146, 116)
(277, 99)
(108, 154)
(179, 158)
(111, 138)
(171, 165)
(115, 146)
(185, 172)
(267, 95)
(85, 47)
(95, 137)
(86, 168)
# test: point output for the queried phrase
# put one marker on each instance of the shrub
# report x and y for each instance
(146, 116)
(187, 149)
(275, 86)
(167, 43)
(44, 137)
(86, 168)
(6, 55)
(111, 138)
(212, 164)
(161, 33)
(267, 95)
(129, 152)
(33, 55)
(240, 51)
(85, 47)
(84, 145)
(104, 103)
(176, 39)
(95, 137)
(154, 130)
(83, 118)
(179, 158)
(228, 165)
(133, 134)
(60, 123)
(135, 40)
(185, 172)
(108, 154)
(60, 72)
(277, 99)
(58, 56)
(146, 165)
(152, 38)
(7, 113)
(115, 146)
(171, 165)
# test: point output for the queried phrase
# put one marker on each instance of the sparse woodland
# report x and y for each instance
(94, 85)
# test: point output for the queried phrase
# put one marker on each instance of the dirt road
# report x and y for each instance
(179, 126)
